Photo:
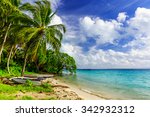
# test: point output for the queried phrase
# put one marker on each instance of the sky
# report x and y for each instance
(105, 33)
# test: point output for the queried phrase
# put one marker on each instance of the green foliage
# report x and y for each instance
(6, 97)
(3, 73)
(8, 6)
(7, 89)
(30, 73)
(24, 39)
(46, 85)
(15, 71)
(23, 88)
(27, 98)
(8, 92)
(29, 83)
(36, 29)
(57, 62)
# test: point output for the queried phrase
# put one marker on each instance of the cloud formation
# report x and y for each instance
(56, 20)
(107, 31)
(102, 31)
(139, 27)
(55, 4)
(122, 17)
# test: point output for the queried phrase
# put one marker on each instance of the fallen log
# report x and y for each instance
(62, 86)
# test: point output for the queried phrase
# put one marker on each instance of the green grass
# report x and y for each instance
(4, 73)
(30, 73)
(14, 71)
(23, 88)
(6, 97)
(27, 98)
(8, 92)
(7, 89)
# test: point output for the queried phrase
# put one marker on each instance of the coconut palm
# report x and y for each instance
(37, 29)
(6, 9)
(12, 44)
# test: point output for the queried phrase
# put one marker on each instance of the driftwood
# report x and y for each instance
(6, 81)
(30, 76)
(62, 86)
(39, 76)
(23, 81)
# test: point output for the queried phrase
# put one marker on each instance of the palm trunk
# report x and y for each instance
(15, 50)
(24, 66)
(9, 57)
(1, 49)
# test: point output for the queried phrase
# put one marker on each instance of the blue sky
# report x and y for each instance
(103, 8)
(106, 33)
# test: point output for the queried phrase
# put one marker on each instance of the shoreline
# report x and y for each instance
(81, 93)
(61, 90)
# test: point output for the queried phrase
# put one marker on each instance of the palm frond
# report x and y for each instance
(24, 19)
(52, 40)
(60, 27)
(28, 7)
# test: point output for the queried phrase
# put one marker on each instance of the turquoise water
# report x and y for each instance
(114, 84)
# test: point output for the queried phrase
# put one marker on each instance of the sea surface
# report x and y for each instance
(128, 84)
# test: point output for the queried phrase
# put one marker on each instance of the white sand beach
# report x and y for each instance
(81, 93)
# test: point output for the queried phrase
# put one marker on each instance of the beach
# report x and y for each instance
(58, 90)
(71, 91)
(85, 85)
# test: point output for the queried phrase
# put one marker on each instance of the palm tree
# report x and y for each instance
(7, 8)
(13, 42)
(37, 29)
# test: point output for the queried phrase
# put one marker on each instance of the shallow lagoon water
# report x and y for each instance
(114, 83)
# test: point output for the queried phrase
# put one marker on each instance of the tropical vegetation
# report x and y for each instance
(29, 42)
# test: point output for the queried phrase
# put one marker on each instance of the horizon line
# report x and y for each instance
(113, 68)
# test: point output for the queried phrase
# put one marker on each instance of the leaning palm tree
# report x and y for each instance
(37, 29)
(7, 7)
(12, 45)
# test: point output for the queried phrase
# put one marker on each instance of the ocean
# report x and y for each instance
(125, 84)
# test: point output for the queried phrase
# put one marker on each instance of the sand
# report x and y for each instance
(81, 93)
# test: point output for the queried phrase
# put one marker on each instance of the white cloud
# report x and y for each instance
(108, 59)
(138, 27)
(55, 4)
(122, 17)
(56, 20)
(74, 34)
(102, 31)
